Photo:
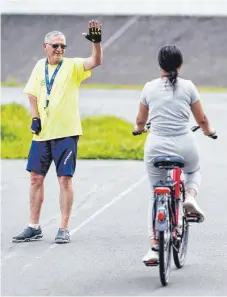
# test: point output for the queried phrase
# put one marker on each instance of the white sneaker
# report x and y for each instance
(151, 257)
(190, 205)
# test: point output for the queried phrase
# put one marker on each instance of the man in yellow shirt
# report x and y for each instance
(53, 91)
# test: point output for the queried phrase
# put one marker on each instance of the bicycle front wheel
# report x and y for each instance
(180, 251)
(164, 256)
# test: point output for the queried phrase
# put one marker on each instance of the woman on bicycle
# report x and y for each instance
(168, 101)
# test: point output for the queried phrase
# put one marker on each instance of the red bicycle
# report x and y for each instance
(170, 222)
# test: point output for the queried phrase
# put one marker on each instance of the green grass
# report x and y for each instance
(11, 82)
(15, 134)
(104, 137)
(109, 137)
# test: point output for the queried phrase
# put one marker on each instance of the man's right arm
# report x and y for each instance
(31, 89)
(36, 122)
(33, 106)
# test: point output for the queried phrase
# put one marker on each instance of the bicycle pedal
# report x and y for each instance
(192, 218)
(155, 249)
(191, 214)
(151, 264)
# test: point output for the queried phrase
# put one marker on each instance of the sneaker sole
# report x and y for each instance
(62, 241)
(34, 238)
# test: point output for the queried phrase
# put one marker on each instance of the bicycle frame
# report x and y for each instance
(177, 179)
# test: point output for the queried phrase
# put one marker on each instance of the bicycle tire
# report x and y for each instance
(179, 255)
(164, 268)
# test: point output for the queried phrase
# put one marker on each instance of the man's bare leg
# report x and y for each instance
(36, 197)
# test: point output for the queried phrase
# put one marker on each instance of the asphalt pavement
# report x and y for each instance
(109, 220)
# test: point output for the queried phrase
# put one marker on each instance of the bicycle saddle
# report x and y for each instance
(168, 162)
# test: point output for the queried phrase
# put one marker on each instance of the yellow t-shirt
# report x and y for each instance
(61, 118)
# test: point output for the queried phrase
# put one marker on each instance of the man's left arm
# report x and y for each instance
(95, 36)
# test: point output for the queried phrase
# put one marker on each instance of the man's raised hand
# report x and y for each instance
(94, 32)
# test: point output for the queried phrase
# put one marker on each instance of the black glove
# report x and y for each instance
(95, 32)
(36, 126)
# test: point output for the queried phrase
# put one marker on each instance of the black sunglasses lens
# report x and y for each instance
(63, 46)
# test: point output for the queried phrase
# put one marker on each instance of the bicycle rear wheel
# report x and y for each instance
(164, 256)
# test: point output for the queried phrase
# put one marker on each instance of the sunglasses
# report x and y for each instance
(55, 45)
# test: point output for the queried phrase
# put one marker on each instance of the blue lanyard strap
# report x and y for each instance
(49, 84)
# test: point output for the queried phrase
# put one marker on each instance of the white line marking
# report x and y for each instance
(106, 206)
(92, 217)
(120, 32)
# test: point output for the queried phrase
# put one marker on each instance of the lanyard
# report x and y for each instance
(49, 84)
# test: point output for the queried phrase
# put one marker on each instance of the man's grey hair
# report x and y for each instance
(52, 33)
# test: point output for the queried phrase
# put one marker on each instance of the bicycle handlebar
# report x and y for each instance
(193, 129)
(135, 133)
(213, 136)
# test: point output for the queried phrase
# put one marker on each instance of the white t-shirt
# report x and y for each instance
(169, 110)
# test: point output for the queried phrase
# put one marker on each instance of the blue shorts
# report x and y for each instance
(62, 150)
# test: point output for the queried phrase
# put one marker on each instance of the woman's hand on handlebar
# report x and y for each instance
(136, 131)
(209, 132)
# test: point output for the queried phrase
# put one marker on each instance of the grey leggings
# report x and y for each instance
(184, 146)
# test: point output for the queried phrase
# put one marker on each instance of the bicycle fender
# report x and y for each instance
(161, 225)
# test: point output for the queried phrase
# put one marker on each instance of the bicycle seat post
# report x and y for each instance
(169, 175)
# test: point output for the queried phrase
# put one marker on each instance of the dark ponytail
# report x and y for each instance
(172, 77)
(170, 59)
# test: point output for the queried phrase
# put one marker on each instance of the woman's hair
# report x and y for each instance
(170, 59)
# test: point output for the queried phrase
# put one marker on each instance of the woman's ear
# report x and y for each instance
(179, 68)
